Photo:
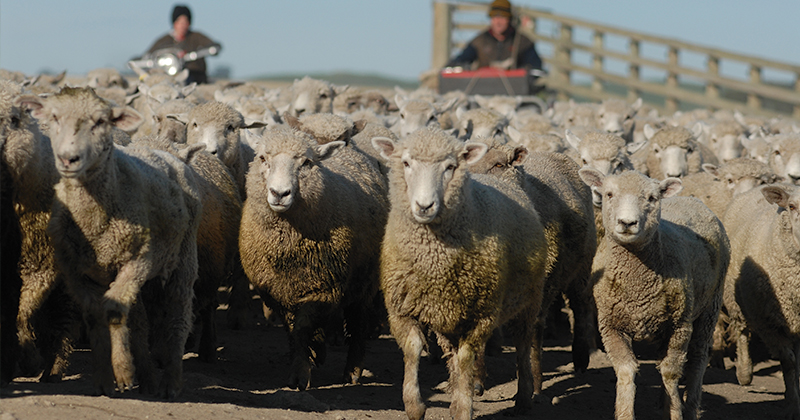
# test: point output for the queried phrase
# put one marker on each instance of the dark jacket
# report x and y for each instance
(193, 42)
(485, 49)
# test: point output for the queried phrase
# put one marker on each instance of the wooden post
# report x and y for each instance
(442, 34)
(597, 61)
(563, 57)
(633, 70)
(712, 89)
(670, 102)
(753, 101)
(796, 112)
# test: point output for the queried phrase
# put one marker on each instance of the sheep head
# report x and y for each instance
(631, 204)
(602, 151)
(80, 125)
(432, 165)
(286, 161)
(787, 197)
(785, 157)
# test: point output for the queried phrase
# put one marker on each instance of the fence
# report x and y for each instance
(673, 82)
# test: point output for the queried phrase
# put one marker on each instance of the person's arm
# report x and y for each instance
(163, 42)
(464, 59)
(530, 58)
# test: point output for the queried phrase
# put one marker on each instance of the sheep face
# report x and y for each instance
(726, 147)
(788, 198)
(430, 173)
(286, 162)
(416, 114)
(785, 157)
(80, 128)
(216, 125)
(480, 123)
(604, 152)
(311, 96)
(631, 204)
(673, 160)
(16, 129)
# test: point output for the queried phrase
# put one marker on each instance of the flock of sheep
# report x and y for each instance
(455, 219)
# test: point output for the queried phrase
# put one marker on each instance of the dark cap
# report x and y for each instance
(500, 8)
(181, 10)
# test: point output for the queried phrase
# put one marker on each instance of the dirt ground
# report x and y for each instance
(248, 382)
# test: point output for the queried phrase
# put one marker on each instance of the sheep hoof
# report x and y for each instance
(169, 391)
(478, 389)
(352, 376)
(415, 411)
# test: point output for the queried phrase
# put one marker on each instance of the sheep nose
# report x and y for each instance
(794, 178)
(626, 225)
(300, 111)
(69, 160)
(279, 194)
(424, 209)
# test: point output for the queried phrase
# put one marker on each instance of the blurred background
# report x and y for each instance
(380, 38)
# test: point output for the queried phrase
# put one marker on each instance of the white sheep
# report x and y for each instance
(658, 275)
(418, 113)
(311, 225)
(617, 116)
(784, 156)
(311, 95)
(479, 122)
(462, 255)
(762, 289)
(671, 152)
(121, 217)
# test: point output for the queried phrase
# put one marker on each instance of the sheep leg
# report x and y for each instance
(581, 301)
(301, 336)
(671, 368)
(409, 337)
(179, 292)
(35, 291)
(356, 318)
(788, 353)
(536, 354)
(100, 340)
(697, 361)
(462, 375)
(718, 346)
(619, 350)
(145, 371)
(527, 330)
(208, 335)
(744, 365)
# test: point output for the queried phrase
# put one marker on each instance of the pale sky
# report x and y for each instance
(386, 37)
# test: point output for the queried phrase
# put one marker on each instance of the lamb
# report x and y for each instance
(46, 319)
(217, 236)
(672, 152)
(311, 224)
(462, 255)
(121, 217)
(564, 204)
(658, 275)
(785, 156)
(418, 113)
(762, 289)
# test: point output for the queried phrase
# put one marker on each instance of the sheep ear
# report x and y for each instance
(359, 126)
(182, 76)
(481, 101)
(186, 154)
(327, 150)
(460, 113)
(126, 118)
(520, 155)
(637, 105)
(632, 148)
(219, 96)
(188, 89)
(776, 195)
(253, 123)
(400, 100)
(513, 133)
(444, 107)
(129, 98)
(32, 103)
(385, 146)
(649, 132)
(473, 152)
(591, 177)
(292, 121)
(573, 140)
(711, 169)
(181, 118)
(670, 187)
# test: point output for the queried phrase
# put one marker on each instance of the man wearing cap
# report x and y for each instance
(499, 46)
(187, 41)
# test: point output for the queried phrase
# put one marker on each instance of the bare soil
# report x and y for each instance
(248, 382)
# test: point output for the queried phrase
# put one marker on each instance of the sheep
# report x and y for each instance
(169, 128)
(616, 116)
(219, 126)
(537, 142)
(757, 146)
(762, 289)
(658, 276)
(120, 218)
(608, 153)
(564, 204)
(418, 113)
(310, 226)
(217, 236)
(46, 319)
(672, 152)
(462, 254)
(716, 186)
(312, 95)
(529, 121)
(105, 78)
(479, 122)
(724, 139)
(784, 156)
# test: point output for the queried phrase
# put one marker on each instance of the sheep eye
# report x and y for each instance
(406, 164)
(651, 199)
(194, 124)
(230, 128)
(584, 162)
(498, 165)
(609, 195)
(432, 118)
(792, 207)
(15, 121)
(451, 167)
(262, 158)
(324, 96)
(306, 163)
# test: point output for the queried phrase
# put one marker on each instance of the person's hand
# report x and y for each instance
(181, 53)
